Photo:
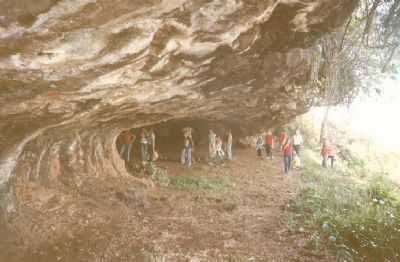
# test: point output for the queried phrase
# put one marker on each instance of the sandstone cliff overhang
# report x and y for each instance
(74, 73)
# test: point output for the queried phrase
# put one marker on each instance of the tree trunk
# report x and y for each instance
(323, 124)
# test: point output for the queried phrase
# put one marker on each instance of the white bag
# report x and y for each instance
(155, 156)
(296, 162)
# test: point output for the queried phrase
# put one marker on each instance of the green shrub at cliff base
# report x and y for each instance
(360, 219)
(190, 182)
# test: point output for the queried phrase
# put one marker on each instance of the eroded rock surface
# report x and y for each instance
(74, 73)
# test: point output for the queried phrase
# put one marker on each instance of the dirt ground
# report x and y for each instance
(119, 220)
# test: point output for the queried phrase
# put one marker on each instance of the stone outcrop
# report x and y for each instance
(74, 73)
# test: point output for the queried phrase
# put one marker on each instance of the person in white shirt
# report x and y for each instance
(219, 151)
(260, 144)
(229, 145)
(188, 145)
(212, 151)
(297, 142)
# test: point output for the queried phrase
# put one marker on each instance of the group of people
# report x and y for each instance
(289, 146)
(220, 149)
(265, 142)
(147, 145)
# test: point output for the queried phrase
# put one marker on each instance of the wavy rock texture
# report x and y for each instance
(77, 72)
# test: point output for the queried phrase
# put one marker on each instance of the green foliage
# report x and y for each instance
(189, 182)
(381, 189)
(197, 182)
(159, 175)
(361, 219)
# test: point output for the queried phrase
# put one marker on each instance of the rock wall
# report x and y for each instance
(77, 72)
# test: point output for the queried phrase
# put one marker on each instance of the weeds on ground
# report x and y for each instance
(360, 219)
(189, 182)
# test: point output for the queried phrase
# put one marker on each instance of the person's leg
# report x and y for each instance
(122, 151)
(128, 158)
(272, 152)
(147, 152)
(332, 160)
(183, 156)
(186, 157)
(269, 151)
(189, 156)
(297, 150)
(286, 164)
(221, 156)
(324, 159)
(218, 159)
(229, 149)
(150, 152)
(142, 152)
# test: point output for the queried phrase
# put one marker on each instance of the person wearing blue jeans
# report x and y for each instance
(288, 163)
(229, 145)
(126, 148)
(187, 152)
(125, 152)
(325, 160)
(144, 146)
(287, 149)
(188, 157)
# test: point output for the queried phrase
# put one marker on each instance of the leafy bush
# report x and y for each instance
(360, 218)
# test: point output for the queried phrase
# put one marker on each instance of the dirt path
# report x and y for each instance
(238, 220)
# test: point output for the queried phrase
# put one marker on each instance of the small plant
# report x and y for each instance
(290, 221)
(159, 175)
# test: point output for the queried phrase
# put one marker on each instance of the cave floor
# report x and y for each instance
(122, 220)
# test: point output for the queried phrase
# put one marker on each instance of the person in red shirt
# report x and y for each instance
(287, 150)
(327, 153)
(282, 138)
(269, 143)
(127, 139)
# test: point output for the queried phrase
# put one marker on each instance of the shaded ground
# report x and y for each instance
(240, 219)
